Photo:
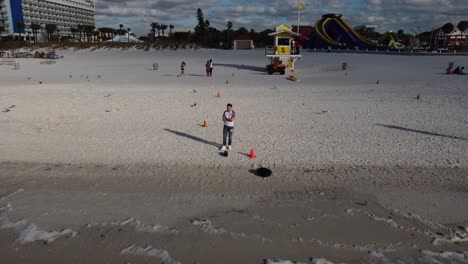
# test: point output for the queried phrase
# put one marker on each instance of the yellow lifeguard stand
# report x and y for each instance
(284, 50)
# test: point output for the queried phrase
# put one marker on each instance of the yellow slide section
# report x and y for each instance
(349, 28)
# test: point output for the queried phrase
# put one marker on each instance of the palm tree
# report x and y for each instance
(447, 28)
(108, 32)
(2, 28)
(89, 32)
(462, 26)
(102, 32)
(229, 27)
(163, 27)
(154, 26)
(73, 31)
(50, 28)
(120, 32)
(400, 33)
(171, 27)
(95, 35)
(35, 27)
(20, 26)
(81, 29)
(158, 27)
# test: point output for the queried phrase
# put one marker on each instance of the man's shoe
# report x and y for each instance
(223, 148)
(229, 147)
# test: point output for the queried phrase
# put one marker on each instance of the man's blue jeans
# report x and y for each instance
(227, 131)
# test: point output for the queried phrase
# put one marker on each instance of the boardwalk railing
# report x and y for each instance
(392, 52)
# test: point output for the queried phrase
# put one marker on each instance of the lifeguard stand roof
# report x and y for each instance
(283, 29)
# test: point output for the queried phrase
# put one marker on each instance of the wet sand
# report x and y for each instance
(229, 215)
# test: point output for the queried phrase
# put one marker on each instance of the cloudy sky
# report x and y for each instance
(262, 14)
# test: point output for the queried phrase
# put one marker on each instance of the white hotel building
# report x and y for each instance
(65, 14)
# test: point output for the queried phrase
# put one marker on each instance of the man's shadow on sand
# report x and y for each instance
(182, 134)
(242, 67)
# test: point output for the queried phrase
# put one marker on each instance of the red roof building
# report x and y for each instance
(304, 30)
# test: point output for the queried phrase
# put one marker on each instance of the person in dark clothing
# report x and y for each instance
(207, 67)
(182, 69)
(457, 70)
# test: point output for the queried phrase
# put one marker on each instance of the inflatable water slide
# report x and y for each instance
(332, 31)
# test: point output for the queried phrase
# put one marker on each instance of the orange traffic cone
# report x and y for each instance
(418, 97)
(205, 124)
(252, 154)
(219, 95)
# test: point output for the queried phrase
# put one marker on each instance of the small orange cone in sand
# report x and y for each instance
(418, 97)
(219, 95)
(205, 124)
(252, 154)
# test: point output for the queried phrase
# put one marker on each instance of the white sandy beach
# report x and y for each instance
(362, 171)
(65, 119)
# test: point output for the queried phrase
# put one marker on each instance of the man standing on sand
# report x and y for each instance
(228, 118)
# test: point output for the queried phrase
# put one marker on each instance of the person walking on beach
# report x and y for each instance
(228, 118)
(211, 68)
(182, 69)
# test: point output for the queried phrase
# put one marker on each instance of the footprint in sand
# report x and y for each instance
(7, 109)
